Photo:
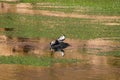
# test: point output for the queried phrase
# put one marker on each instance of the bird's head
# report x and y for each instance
(52, 42)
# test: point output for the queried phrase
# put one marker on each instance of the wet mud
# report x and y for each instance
(15, 46)
(12, 46)
(6, 29)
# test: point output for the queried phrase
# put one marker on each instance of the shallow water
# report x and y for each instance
(83, 71)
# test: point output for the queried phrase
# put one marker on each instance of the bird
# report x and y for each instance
(59, 45)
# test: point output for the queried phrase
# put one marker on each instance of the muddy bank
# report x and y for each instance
(6, 29)
(12, 46)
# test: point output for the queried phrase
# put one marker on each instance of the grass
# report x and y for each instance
(98, 7)
(65, 10)
(38, 26)
(93, 7)
(112, 53)
(35, 61)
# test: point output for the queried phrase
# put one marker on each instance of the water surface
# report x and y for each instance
(60, 72)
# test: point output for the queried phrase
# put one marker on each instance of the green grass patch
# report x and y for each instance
(94, 7)
(65, 10)
(37, 26)
(35, 61)
(98, 7)
(112, 53)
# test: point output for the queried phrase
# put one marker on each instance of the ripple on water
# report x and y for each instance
(81, 71)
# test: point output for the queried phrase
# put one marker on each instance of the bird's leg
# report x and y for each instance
(62, 52)
(50, 48)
